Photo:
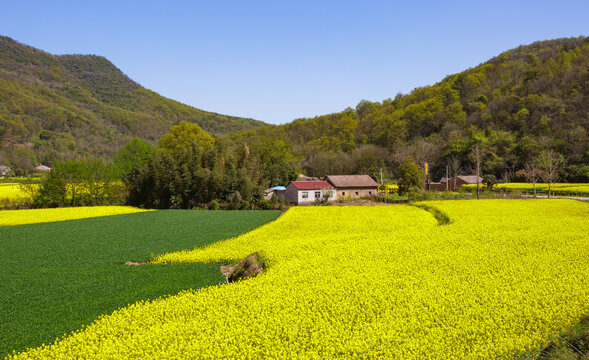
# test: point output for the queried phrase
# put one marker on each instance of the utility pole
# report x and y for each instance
(380, 175)
(423, 174)
(447, 180)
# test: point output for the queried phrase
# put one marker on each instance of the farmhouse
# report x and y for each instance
(307, 192)
(454, 183)
(4, 170)
(353, 186)
(43, 168)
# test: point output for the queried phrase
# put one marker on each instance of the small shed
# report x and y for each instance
(308, 192)
(276, 190)
(454, 183)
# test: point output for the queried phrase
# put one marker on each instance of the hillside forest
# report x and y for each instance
(514, 107)
(67, 107)
(508, 116)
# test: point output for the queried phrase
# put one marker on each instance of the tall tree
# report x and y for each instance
(550, 162)
(454, 169)
(409, 176)
(136, 152)
(532, 172)
(476, 156)
(185, 134)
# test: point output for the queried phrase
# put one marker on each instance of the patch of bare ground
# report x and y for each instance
(132, 263)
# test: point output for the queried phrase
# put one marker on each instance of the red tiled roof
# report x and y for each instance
(350, 181)
(311, 185)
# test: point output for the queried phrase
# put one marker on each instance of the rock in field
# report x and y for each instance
(252, 265)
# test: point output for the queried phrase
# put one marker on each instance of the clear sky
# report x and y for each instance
(276, 60)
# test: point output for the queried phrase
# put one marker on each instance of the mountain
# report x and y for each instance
(69, 106)
(516, 105)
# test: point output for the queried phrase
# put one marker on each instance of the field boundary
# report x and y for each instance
(440, 216)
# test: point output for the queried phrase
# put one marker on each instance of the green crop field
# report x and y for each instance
(58, 277)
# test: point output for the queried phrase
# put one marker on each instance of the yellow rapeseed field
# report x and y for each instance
(11, 191)
(21, 217)
(557, 188)
(502, 278)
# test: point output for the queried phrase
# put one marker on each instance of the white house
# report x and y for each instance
(4, 170)
(307, 192)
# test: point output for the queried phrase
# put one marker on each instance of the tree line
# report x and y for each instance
(188, 169)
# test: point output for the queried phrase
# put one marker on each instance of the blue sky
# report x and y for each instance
(277, 61)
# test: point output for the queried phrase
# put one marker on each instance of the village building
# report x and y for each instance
(353, 186)
(453, 183)
(277, 191)
(43, 168)
(4, 170)
(309, 192)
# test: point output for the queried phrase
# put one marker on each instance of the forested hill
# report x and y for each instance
(516, 105)
(59, 107)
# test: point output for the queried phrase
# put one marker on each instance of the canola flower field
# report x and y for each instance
(556, 188)
(502, 279)
(34, 216)
(11, 191)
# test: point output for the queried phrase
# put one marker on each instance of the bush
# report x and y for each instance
(265, 204)
(214, 205)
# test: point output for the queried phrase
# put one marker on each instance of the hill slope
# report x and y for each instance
(519, 103)
(58, 107)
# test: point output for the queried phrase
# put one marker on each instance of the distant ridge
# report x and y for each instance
(522, 102)
(68, 106)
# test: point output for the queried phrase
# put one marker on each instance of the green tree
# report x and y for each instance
(79, 183)
(185, 134)
(135, 152)
(490, 180)
(409, 176)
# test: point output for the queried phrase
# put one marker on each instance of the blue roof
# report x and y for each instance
(278, 188)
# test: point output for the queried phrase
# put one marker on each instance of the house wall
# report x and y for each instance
(354, 193)
(279, 194)
(294, 195)
(451, 187)
(291, 194)
(311, 196)
(441, 186)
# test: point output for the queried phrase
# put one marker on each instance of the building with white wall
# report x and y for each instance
(308, 192)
